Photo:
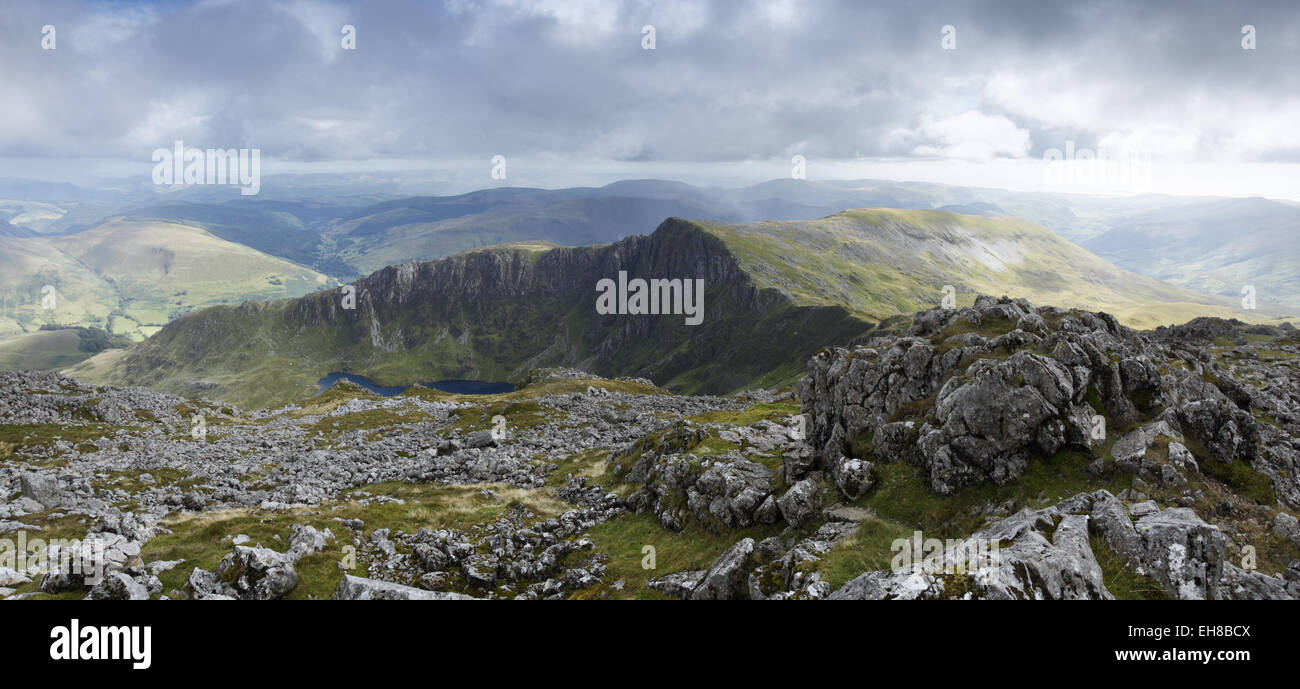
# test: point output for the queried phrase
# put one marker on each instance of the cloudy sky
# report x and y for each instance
(732, 90)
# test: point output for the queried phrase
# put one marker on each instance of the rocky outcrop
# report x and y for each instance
(1180, 551)
(1044, 554)
(1047, 554)
(972, 395)
(679, 480)
(121, 586)
(258, 573)
(799, 504)
(678, 584)
(41, 488)
(82, 564)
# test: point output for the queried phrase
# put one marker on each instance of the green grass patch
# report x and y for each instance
(869, 550)
(129, 480)
(371, 419)
(1244, 479)
(198, 538)
(988, 328)
(714, 447)
(1247, 481)
(904, 495)
(1122, 582)
(767, 411)
(519, 415)
(589, 463)
(623, 539)
(44, 435)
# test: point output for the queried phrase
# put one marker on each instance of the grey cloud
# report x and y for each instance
(729, 80)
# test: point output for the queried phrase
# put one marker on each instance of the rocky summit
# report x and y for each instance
(1002, 450)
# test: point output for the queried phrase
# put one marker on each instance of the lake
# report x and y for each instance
(457, 386)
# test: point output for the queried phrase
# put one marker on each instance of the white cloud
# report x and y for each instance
(1054, 95)
(576, 21)
(183, 118)
(972, 135)
(1161, 141)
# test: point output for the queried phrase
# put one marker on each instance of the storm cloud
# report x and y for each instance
(731, 80)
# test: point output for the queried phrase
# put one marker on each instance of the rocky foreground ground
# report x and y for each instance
(1106, 463)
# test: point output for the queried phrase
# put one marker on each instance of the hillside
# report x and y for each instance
(775, 293)
(288, 230)
(55, 347)
(133, 277)
(27, 265)
(1215, 247)
(41, 350)
(881, 262)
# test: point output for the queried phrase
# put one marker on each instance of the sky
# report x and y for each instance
(1188, 97)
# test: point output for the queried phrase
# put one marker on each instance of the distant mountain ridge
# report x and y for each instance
(1229, 243)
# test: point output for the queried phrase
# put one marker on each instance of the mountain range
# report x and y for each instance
(345, 227)
(775, 292)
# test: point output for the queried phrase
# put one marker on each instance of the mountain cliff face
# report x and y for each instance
(775, 292)
(493, 314)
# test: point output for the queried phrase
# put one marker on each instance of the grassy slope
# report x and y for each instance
(26, 266)
(41, 350)
(134, 277)
(1186, 246)
(163, 269)
(881, 262)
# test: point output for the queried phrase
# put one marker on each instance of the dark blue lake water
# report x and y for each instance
(458, 387)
